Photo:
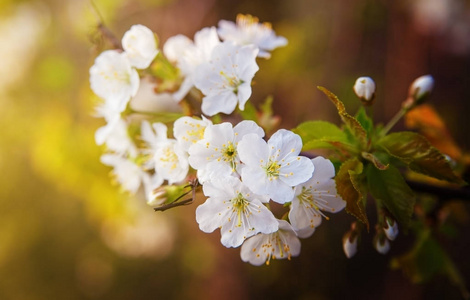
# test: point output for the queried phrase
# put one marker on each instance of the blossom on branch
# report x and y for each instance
(225, 80)
(131, 176)
(188, 131)
(313, 197)
(281, 244)
(140, 46)
(274, 167)
(189, 55)
(236, 210)
(114, 134)
(217, 152)
(113, 78)
(248, 31)
(167, 157)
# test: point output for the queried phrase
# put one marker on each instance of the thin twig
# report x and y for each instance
(174, 204)
(105, 32)
(193, 184)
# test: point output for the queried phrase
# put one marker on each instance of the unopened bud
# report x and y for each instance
(166, 194)
(421, 88)
(381, 244)
(350, 243)
(365, 90)
(157, 196)
(391, 229)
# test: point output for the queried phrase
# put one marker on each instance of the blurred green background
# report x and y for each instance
(66, 232)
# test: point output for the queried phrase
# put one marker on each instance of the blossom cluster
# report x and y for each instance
(242, 172)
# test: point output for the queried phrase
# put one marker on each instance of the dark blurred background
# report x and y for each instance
(66, 232)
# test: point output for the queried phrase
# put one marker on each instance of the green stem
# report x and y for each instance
(394, 120)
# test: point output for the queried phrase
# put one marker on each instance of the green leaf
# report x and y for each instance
(389, 187)
(372, 158)
(364, 120)
(351, 186)
(415, 150)
(315, 130)
(249, 113)
(323, 135)
(354, 126)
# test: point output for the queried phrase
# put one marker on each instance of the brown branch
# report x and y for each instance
(174, 204)
(109, 36)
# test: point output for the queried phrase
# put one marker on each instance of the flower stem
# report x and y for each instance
(394, 120)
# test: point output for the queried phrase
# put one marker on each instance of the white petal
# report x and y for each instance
(184, 89)
(219, 103)
(324, 169)
(175, 46)
(210, 215)
(279, 191)
(253, 150)
(296, 170)
(302, 216)
(140, 46)
(278, 245)
(288, 142)
(246, 127)
(243, 94)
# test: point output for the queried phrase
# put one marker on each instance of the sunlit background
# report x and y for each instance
(66, 230)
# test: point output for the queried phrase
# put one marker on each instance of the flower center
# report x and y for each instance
(169, 157)
(276, 241)
(272, 169)
(229, 153)
(307, 196)
(307, 199)
(232, 81)
(239, 206)
(194, 134)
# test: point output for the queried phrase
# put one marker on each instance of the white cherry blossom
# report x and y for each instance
(217, 151)
(236, 210)
(175, 47)
(167, 157)
(140, 46)
(275, 167)
(314, 196)
(188, 131)
(281, 244)
(113, 78)
(225, 80)
(189, 55)
(131, 176)
(248, 30)
(147, 100)
(114, 134)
